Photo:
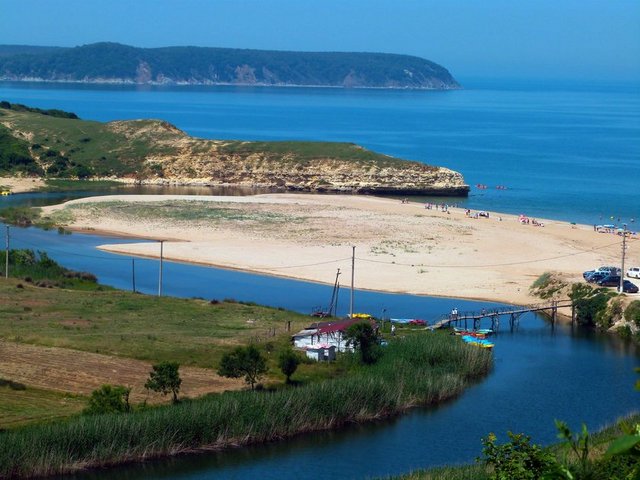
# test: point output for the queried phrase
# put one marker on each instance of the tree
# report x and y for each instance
(164, 378)
(243, 361)
(288, 363)
(109, 399)
(362, 338)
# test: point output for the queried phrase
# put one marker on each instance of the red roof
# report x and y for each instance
(338, 325)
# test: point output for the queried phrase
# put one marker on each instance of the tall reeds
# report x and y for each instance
(420, 370)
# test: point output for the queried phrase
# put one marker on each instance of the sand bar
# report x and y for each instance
(400, 247)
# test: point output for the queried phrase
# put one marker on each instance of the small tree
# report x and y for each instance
(164, 378)
(288, 362)
(243, 361)
(109, 399)
(362, 338)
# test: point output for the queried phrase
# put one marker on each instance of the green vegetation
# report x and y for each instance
(109, 399)
(362, 338)
(548, 285)
(51, 112)
(417, 370)
(101, 61)
(593, 306)
(611, 453)
(39, 269)
(288, 362)
(245, 362)
(21, 405)
(191, 332)
(64, 148)
(165, 378)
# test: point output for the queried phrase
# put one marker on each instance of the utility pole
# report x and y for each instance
(160, 272)
(624, 251)
(353, 269)
(133, 274)
(6, 260)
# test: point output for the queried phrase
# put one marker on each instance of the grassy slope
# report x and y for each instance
(107, 150)
(21, 407)
(192, 332)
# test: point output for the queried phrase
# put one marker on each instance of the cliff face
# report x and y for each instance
(115, 63)
(151, 151)
(294, 166)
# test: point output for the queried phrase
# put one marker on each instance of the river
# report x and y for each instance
(540, 374)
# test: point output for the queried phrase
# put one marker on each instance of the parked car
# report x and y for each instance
(608, 269)
(628, 287)
(595, 277)
(633, 272)
(610, 281)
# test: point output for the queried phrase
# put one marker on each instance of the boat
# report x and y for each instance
(5, 192)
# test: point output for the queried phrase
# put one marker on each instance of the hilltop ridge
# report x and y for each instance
(116, 63)
(57, 144)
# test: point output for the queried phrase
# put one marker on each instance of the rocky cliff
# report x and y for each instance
(152, 151)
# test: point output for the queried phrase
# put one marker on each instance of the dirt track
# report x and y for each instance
(65, 370)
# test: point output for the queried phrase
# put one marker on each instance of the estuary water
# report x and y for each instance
(564, 151)
(568, 151)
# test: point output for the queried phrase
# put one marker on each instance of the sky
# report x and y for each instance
(569, 39)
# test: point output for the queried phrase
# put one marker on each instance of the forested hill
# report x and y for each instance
(116, 63)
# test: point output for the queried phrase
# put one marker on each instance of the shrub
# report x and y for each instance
(108, 399)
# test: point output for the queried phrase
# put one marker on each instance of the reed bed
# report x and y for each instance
(419, 370)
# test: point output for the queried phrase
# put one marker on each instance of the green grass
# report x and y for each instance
(189, 331)
(19, 407)
(39, 269)
(188, 211)
(417, 370)
(123, 148)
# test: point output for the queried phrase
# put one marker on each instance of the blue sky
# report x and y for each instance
(480, 38)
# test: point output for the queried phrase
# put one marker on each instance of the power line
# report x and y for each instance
(523, 262)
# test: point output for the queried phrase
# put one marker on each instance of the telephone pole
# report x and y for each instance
(160, 271)
(624, 251)
(353, 269)
(6, 260)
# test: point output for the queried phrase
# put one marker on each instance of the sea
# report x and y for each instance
(568, 151)
(563, 150)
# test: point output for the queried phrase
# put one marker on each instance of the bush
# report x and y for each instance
(108, 399)
(288, 363)
(632, 312)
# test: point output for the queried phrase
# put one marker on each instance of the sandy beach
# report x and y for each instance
(20, 184)
(400, 247)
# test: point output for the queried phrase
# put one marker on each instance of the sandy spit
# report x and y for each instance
(400, 247)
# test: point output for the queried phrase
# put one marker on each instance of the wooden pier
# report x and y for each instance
(514, 313)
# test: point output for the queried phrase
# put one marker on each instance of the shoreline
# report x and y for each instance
(482, 259)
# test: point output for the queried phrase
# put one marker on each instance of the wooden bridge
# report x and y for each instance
(514, 312)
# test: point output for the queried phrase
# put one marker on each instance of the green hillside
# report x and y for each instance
(113, 62)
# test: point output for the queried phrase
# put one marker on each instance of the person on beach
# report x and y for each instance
(393, 330)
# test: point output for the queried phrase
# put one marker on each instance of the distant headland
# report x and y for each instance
(115, 63)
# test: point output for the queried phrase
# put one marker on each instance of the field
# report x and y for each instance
(123, 324)
(62, 344)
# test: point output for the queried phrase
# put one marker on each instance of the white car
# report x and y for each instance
(633, 272)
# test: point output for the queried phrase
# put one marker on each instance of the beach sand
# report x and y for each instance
(400, 247)
(21, 185)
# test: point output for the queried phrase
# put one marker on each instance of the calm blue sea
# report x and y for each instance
(568, 151)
